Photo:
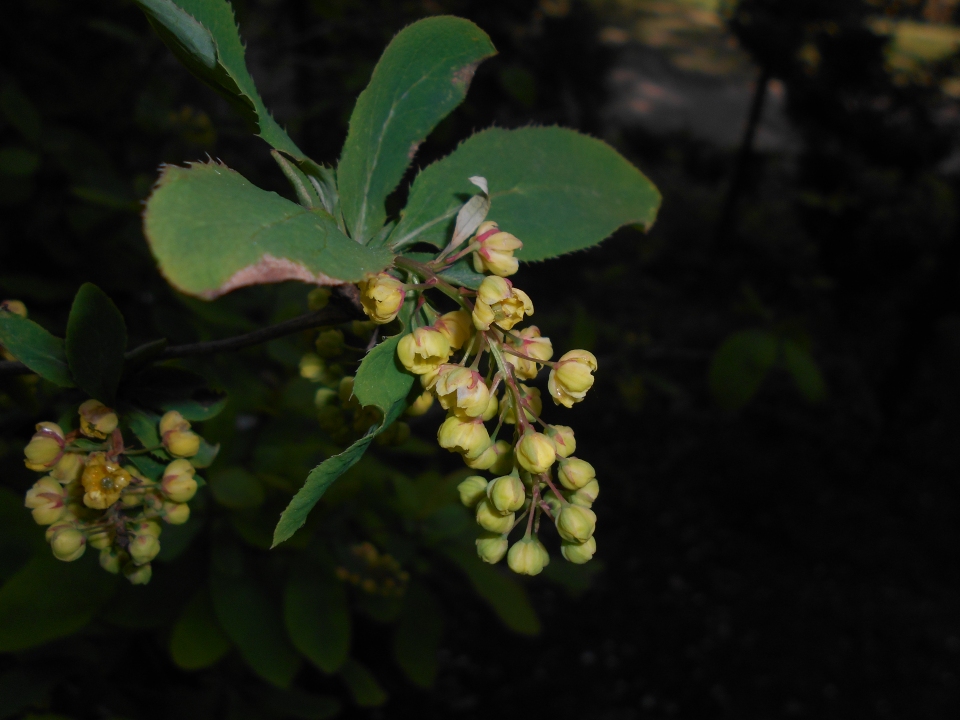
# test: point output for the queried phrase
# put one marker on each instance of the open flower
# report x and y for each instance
(495, 251)
(463, 391)
(381, 296)
(46, 501)
(456, 327)
(499, 303)
(529, 343)
(103, 482)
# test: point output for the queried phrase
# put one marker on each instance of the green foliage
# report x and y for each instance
(212, 232)
(740, 365)
(95, 344)
(198, 641)
(236, 488)
(381, 380)
(422, 75)
(32, 607)
(36, 348)
(317, 616)
(803, 369)
(507, 598)
(418, 635)
(362, 684)
(555, 189)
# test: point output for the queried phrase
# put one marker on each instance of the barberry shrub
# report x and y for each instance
(444, 326)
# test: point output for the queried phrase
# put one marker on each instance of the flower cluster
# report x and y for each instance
(93, 493)
(373, 572)
(478, 365)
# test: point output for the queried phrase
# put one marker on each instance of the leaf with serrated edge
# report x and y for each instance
(381, 380)
(421, 76)
(555, 189)
(36, 348)
(212, 231)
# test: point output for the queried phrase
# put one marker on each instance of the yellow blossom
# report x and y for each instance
(535, 452)
(495, 251)
(97, 420)
(571, 377)
(462, 391)
(103, 482)
(531, 344)
(381, 296)
(456, 327)
(45, 447)
(423, 351)
(499, 303)
(469, 438)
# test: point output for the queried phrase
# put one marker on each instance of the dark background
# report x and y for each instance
(785, 559)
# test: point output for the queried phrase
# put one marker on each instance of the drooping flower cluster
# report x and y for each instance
(477, 364)
(93, 493)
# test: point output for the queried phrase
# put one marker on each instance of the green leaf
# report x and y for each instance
(203, 35)
(418, 636)
(381, 380)
(362, 684)
(33, 610)
(206, 455)
(237, 488)
(317, 616)
(212, 231)
(253, 623)
(198, 641)
(507, 598)
(555, 189)
(197, 409)
(740, 366)
(150, 468)
(96, 341)
(145, 426)
(422, 75)
(323, 476)
(36, 348)
(804, 371)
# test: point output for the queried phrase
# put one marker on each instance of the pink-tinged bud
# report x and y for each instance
(423, 351)
(46, 500)
(145, 527)
(531, 344)
(495, 251)
(576, 523)
(535, 452)
(574, 473)
(175, 513)
(138, 574)
(456, 327)
(585, 496)
(463, 391)
(472, 490)
(563, 439)
(492, 520)
(381, 296)
(14, 306)
(45, 447)
(529, 396)
(579, 553)
(506, 493)
(571, 377)
(421, 405)
(177, 437)
(178, 483)
(528, 556)
(68, 544)
(111, 559)
(469, 438)
(68, 468)
(103, 481)
(97, 420)
(491, 547)
(144, 548)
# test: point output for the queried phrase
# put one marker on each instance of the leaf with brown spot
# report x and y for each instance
(212, 231)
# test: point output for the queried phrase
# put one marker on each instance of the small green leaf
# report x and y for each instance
(555, 189)
(381, 380)
(253, 623)
(507, 598)
(96, 341)
(237, 488)
(212, 231)
(422, 75)
(362, 684)
(804, 371)
(417, 639)
(198, 641)
(323, 476)
(317, 616)
(36, 348)
(206, 455)
(32, 606)
(740, 366)
(151, 469)
(145, 426)
(197, 409)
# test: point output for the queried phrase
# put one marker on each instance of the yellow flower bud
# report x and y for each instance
(103, 481)
(578, 553)
(330, 343)
(528, 556)
(145, 527)
(495, 254)
(179, 440)
(421, 405)
(111, 559)
(469, 438)
(97, 420)
(499, 303)
(46, 500)
(574, 473)
(463, 391)
(529, 396)
(312, 367)
(576, 523)
(324, 396)
(178, 483)
(423, 351)
(456, 327)
(68, 468)
(45, 447)
(101, 537)
(175, 513)
(144, 548)
(138, 574)
(506, 493)
(531, 345)
(563, 439)
(381, 296)
(535, 452)
(472, 490)
(68, 544)
(491, 520)
(497, 458)
(14, 306)
(491, 547)
(587, 495)
(571, 377)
